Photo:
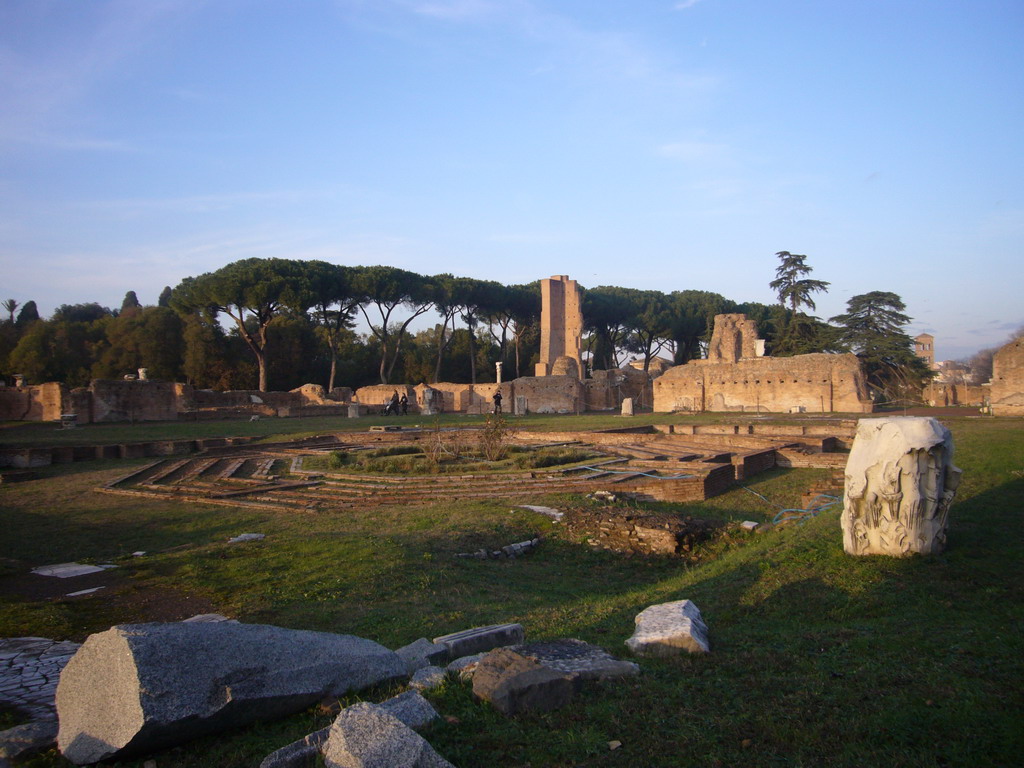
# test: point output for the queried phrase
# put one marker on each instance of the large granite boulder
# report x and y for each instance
(668, 629)
(367, 736)
(142, 687)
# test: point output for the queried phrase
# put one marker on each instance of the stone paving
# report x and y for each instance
(29, 670)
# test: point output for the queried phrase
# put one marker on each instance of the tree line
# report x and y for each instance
(291, 322)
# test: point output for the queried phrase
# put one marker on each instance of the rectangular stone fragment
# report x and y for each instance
(667, 629)
(480, 639)
(423, 653)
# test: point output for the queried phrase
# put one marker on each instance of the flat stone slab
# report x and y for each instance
(69, 570)
(551, 512)
(668, 629)
(577, 659)
(29, 670)
(480, 639)
(243, 537)
(81, 592)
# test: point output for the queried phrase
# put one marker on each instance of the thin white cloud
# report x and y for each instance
(130, 208)
(685, 4)
(695, 151)
(532, 238)
(71, 143)
(567, 46)
(456, 10)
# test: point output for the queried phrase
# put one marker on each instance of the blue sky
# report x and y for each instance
(645, 143)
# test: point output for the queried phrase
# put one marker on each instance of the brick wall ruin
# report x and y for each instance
(732, 379)
(561, 328)
(940, 395)
(111, 400)
(734, 338)
(1007, 395)
(40, 402)
(542, 394)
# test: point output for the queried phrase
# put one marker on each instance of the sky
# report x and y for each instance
(651, 144)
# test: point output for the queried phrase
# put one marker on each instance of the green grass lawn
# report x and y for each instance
(817, 658)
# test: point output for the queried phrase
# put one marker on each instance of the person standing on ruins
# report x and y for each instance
(497, 400)
(392, 405)
(405, 405)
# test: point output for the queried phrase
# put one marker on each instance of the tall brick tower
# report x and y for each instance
(561, 326)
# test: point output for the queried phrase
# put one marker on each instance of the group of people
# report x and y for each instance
(400, 405)
(396, 405)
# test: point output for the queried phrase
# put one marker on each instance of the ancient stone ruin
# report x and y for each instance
(900, 482)
(667, 463)
(668, 629)
(1007, 397)
(735, 377)
(561, 327)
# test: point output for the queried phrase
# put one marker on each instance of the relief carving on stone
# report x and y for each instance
(900, 483)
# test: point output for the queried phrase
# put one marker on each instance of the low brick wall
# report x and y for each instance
(640, 534)
(705, 484)
(747, 465)
(813, 460)
(24, 458)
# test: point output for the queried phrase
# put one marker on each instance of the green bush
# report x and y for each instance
(393, 450)
(338, 459)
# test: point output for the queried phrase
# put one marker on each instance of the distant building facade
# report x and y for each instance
(924, 347)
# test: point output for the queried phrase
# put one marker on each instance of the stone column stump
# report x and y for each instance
(900, 483)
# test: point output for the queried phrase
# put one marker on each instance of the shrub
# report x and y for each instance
(338, 459)
(494, 437)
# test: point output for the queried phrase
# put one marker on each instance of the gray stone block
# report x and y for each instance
(577, 659)
(366, 736)
(515, 684)
(412, 709)
(481, 639)
(465, 666)
(428, 678)
(423, 653)
(668, 629)
(298, 754)
(141, 687)
(21, 741)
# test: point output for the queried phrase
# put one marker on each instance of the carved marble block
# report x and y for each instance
(900, 483)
